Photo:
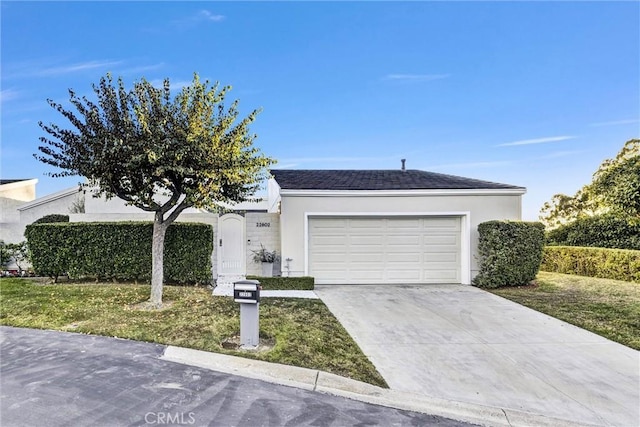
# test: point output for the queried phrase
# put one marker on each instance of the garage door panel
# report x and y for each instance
(385, 250)
(396, 258)
(441, 240)
(452, 223)
(360, 257)
(441, 257)
(402, 224)
(366, 223)
(330, 257)
(366, 240)
(365, 276)
(400, 275)
(442, 276)
(403, 240)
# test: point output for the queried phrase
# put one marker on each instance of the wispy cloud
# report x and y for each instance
(415, 77)
(197, 18)
(536, 141)
(77, 67)
(205, 15)
(8, 95)
(471, 165)
(616, 122)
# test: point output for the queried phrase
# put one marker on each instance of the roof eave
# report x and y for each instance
(515, 191)
(49, 198)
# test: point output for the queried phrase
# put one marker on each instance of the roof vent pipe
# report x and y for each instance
(403, 168)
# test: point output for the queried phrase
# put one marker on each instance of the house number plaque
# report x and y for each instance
(263, 224)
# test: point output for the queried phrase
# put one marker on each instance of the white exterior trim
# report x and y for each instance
(405, 193)
(465, 231)
(49, 198)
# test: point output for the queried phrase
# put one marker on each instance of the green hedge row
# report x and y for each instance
(601, 231)
(285, 283)
(47, 219)
(619, 264)
(120, 251)
(509, 253)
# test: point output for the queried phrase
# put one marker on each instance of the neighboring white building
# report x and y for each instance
(14, 193)
(19, 206)
(341, 226)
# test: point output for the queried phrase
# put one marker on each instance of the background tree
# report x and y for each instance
(614, 190)
(19, 254)
(617, 182)
(5, 255)
(160, 153)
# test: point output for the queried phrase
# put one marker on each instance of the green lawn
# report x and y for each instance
(610, 308)
(304, 332)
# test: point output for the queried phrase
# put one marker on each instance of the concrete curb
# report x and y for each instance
(311, 379)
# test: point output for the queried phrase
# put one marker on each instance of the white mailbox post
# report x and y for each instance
(247, 293)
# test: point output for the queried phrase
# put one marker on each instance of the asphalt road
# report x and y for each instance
(53, 379)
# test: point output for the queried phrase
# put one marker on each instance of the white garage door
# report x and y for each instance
(361, 250)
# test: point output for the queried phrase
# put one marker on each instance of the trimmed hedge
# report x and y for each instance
(120, 251)
(304, 283)
(618, 264)
(509, 252)
(53, 218)
(601, 231)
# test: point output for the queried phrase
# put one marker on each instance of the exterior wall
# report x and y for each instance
(100, 205)
(61, 205)
(12, 196)
(481, 208)
(262, 229)
(17, 215)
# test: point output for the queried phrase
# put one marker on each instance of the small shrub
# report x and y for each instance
(53, 218)
(285, 283)
(509, 252)
(263, 255)
(602, 231)
(617, 264)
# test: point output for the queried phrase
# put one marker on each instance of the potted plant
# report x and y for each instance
(267, 258)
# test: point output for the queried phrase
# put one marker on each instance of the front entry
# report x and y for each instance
(231, 245)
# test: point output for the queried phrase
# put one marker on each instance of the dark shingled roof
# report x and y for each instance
(411, 179)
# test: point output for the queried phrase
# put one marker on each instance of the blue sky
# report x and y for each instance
(535, 94)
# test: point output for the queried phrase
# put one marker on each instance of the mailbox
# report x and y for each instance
(246, 291)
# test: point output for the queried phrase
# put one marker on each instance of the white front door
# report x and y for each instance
(231, 247)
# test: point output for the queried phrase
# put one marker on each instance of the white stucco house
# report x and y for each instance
(348, 226)
(385, 226)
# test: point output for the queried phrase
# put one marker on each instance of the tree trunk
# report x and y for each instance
(157, 260)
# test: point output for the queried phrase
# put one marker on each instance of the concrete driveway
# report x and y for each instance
(464, 344)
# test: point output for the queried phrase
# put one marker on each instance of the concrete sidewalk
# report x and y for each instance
(462, 344)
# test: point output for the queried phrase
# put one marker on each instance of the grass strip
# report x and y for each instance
(610, 308)
(304, 331)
